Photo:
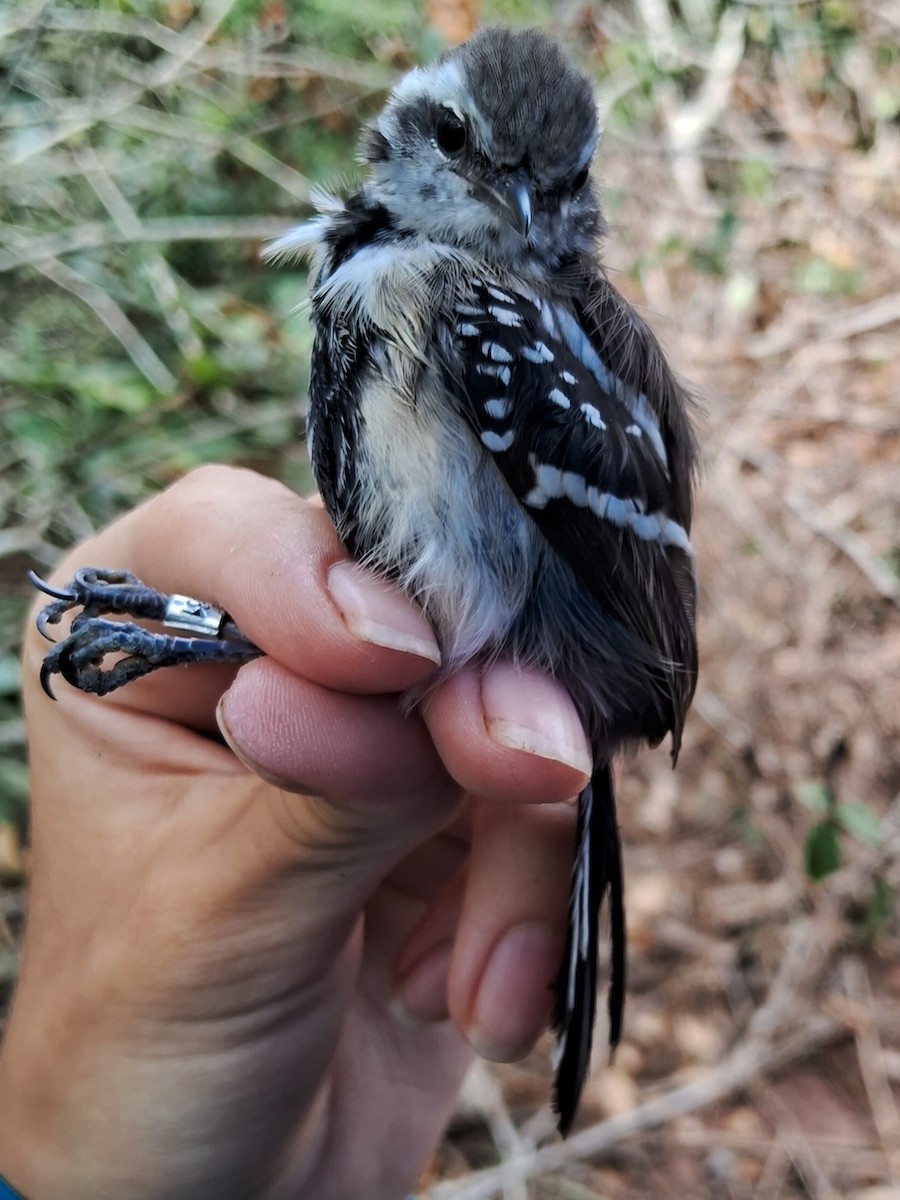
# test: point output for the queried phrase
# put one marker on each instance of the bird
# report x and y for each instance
(492, 426)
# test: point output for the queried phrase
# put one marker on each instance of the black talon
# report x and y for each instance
(46, 674)
(49, 590)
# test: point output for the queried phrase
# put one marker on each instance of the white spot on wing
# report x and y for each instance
(506, 316)
(568, 377)
(498, 409)
(550, 481)
(500, 295)
(502, 373)
(641, 411)
(468, 330)
(577, 341)
(634, 430)
(538, 353)
(498, 442)
(496, 352)
(575, 488)
(558, 397)
(628, 513)
(592, 416)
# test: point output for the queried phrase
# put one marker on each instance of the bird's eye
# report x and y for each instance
(581, 179)
(450, 132)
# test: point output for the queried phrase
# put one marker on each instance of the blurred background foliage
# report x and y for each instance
(751, 156)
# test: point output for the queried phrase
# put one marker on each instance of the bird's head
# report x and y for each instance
(490, 149)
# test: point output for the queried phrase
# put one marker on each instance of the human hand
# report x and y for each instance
(237, 970)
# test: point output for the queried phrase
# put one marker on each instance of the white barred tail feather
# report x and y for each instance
(596, 876)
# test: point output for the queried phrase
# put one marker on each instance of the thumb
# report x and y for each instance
(357, 780)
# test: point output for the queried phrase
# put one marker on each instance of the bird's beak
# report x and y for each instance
(510, 198)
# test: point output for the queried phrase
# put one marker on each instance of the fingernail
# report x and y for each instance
(514, 998)
(374, 612)
(420, 997)
(524, 710)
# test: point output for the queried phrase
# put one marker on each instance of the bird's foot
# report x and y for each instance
(208, 633)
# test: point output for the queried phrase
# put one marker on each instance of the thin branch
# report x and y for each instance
(871, 1064)
(863, 318)
(32, 251)
(105, 308)
(159, 274)
(850, 544)
(101, 107)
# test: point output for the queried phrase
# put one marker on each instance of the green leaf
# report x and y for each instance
(114, 386)
(815, 795)
(819, 277)
(821, 851)
(860, 821)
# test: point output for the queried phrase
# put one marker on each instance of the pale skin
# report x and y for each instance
(239, 963)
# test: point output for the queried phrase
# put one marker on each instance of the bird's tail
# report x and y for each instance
(597, 873)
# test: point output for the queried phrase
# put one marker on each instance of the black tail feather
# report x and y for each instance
(597, 873)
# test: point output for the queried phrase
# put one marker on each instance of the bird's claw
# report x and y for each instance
(212, 635)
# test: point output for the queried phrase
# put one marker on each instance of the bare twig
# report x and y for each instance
(848, 323)
(101, 107)
(871, 1063)
(803, 1156)
(105, 308)
(849, 543)
(35, 250)
(482, 1092)
(160, 275)
(688, 124)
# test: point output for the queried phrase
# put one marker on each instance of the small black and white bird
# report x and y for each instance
(495, 428)
(492, 426)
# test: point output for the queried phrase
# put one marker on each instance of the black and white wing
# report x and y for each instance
(587, 425)
(576, 405)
